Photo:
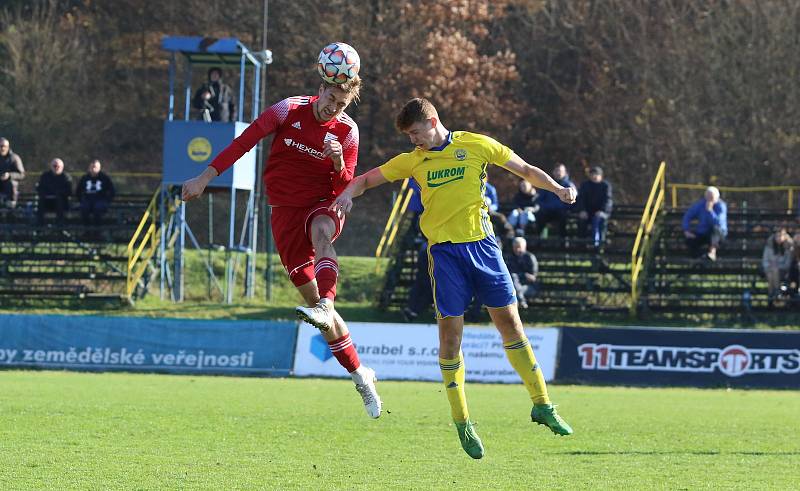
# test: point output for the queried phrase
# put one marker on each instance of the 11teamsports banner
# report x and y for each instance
(688, 357)
(411, 352)
(147, 345)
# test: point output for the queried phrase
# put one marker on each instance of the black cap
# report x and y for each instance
(596, 170)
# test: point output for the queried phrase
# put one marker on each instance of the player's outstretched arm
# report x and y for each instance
(540, 179)
(193, 188)
(344, 202)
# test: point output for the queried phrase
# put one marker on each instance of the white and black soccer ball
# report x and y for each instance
(338, 63)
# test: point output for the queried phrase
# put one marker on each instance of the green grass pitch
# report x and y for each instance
(64, 430)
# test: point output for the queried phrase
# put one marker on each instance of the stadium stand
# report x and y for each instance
(66, 262)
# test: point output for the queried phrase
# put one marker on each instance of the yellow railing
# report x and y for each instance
(789, 190)
(641, 245)
(393, 223)
(143, 244)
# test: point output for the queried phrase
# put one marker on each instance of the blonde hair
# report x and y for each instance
(352, 87)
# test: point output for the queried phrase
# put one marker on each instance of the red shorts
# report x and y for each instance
(291, 229)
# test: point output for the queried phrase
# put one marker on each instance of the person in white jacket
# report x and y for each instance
(776, 260)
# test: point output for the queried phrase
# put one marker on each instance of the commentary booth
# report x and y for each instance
(191, 143)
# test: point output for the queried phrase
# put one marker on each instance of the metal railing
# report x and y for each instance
(143, 244)
(393, 223)
(642, 244)
(789, 190)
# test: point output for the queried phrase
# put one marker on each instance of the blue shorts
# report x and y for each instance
(460, 271)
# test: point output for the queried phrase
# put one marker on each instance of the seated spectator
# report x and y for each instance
(524, 207)
(595, 204)
(551, 208)
(215, 99)
(776, 261)
(11, 171)
(503, 231)
(420, 296)
(54, 189)
(705, 225)
(94, 192)
(523, 267)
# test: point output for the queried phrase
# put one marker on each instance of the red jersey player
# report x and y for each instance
(312, 159)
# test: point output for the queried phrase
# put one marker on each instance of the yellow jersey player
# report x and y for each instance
(464, 259)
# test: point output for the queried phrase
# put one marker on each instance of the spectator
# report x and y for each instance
(595, 204)
(215, 99)
(94, 192)
(524, 205)
(705, 225)
(54, 189)
(776, 261)
(551, 208)
(491, 194)
(794, 268)
(524, 268)
(11, 171)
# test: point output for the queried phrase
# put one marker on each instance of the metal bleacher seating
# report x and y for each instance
(68, 261)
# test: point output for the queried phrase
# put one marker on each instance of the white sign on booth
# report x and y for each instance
(411, 352)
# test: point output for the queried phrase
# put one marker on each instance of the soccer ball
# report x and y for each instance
(338, 63)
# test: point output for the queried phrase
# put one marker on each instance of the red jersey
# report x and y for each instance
(296, 174)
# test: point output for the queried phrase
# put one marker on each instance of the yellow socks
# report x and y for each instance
(522, 359)
(453, 374)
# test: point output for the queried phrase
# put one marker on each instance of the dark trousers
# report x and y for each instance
(596, 226)
(525, 291)
(52, 204)
(92, 211)
(8, 195)
(700, 243)
(559, 216)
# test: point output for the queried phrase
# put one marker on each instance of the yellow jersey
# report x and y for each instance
(452, 180)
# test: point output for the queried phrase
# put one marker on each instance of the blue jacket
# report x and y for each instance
(491, 193)
(706, 220)
(548, 199)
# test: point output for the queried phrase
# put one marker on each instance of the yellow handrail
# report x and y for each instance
(790, 190)
(393, 222)
(655, 202)
(138, 254)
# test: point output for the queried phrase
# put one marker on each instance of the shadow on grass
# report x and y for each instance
(676, 452)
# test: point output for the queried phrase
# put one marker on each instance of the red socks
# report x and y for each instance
(344, 351)
(326, 270)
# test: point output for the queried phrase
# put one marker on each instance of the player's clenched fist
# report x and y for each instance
(567, 194)
(333, 149)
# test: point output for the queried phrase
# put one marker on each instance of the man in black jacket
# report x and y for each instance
(595, 204)
(215, 99)
(54, 189)
(94, 193)
(11, 171)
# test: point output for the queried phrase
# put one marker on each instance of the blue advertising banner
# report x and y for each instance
(687, 357)
(147, 345)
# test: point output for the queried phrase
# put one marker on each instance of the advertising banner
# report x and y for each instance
(688, 357)
(146, 345)
(411, 352)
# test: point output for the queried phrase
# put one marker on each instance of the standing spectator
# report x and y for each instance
(54, 189)
(94, 192)
(11, 171)
(215, 99)
(551, 208)
(705, 225)
(524, 205)
(524, 269)
(595, 204)
(776, 261)
(794, 269)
